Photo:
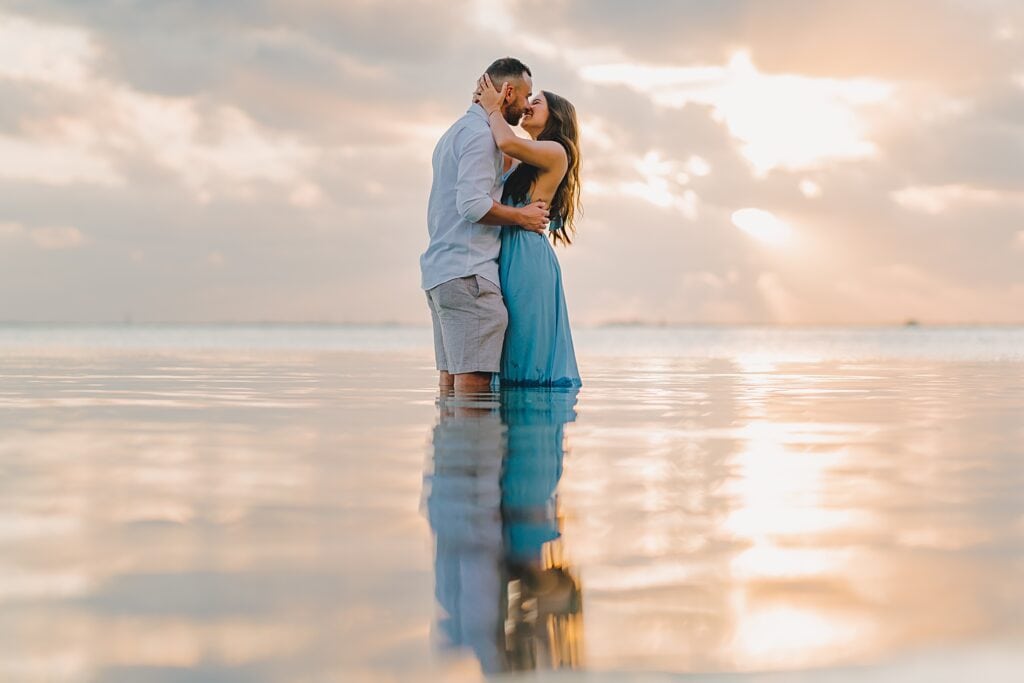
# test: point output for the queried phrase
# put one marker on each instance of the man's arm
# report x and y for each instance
(475, 154)
(533, 217)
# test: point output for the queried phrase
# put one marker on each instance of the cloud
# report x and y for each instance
(50, 54)
(940, 198)
(44, 237)
(763, 226)
(208, 148)
(829, 38)
(66, 160)
(293, 140)
(780, 121)
(9, 229)
(57, 237)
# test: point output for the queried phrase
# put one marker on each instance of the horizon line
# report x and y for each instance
(601, 325)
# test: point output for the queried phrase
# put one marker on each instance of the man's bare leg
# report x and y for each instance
(473, 382)
(446, 381)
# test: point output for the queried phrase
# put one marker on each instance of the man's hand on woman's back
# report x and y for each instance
(534, 217)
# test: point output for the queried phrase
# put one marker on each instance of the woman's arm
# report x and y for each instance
(544, 154)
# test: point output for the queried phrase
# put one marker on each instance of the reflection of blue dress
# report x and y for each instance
(538, 347)
(535, 419)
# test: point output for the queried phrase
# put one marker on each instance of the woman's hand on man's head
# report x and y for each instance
(490, 97)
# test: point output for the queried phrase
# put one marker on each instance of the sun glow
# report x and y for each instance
(763, 226)
(780, 120)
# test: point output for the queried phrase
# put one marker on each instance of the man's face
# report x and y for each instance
(522, 90)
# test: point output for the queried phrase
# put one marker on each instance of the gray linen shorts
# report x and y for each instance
(469, 324)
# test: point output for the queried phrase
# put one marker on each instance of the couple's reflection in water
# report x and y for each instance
(503, 586)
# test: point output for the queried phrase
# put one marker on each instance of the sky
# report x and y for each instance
(744, 161)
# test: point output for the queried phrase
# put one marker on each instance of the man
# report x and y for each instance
(464, 218)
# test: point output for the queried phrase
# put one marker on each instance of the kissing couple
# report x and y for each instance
(498, 202)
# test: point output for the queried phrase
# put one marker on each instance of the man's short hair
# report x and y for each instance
(505, 69)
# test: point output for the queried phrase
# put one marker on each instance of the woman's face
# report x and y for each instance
(536, 116)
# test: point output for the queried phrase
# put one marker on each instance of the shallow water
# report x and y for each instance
(219, 504)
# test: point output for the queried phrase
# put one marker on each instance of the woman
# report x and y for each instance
(538, 348)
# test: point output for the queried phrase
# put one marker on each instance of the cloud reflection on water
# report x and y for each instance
(723, 514)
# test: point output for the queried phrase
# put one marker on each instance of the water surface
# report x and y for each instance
(298, 503)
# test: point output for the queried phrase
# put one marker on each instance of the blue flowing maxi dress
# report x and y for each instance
(538, 350)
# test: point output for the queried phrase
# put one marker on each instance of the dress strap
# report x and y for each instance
(506, 174)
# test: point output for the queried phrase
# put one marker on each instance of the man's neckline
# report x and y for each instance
(477, 109)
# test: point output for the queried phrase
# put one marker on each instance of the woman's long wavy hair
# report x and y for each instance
(563, 128)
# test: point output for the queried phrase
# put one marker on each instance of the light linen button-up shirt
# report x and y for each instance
(467, 177)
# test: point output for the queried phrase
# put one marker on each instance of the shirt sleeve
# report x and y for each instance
(477, 173)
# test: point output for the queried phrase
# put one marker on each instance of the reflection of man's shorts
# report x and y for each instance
(469, 324)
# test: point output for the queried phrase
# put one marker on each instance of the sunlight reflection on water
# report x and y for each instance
(268, 514)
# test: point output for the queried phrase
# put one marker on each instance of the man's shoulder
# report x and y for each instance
(470, 133)
(462, 139)
(466, 127)
(470, 125)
